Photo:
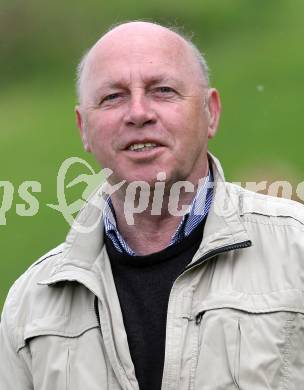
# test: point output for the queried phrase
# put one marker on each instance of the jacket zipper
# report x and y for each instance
(97, 310)
(245, 244)
(215, 252)
(209, 255)
(199, 317)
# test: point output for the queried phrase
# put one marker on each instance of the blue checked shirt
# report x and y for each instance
(197, 211)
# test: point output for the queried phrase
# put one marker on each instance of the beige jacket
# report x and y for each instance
(235, 316)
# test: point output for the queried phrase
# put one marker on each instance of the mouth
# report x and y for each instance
(142, 147)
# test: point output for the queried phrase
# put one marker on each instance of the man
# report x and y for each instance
(212, 299)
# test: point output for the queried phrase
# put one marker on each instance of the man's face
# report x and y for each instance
(143, 108)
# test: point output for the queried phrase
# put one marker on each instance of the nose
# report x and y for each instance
(139, 113)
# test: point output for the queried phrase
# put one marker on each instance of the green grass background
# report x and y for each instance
(255, 52)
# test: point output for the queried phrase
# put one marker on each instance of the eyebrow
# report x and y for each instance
(156, 79)
(163, 79)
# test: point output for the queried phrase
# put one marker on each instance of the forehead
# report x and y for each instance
(137, 39)
(153, 55)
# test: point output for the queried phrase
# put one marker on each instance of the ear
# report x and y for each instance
(213, 109)
(82, 128)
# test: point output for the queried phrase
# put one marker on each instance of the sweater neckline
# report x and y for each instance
(157, 257)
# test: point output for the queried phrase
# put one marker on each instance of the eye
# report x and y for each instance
(164, 92)
(165, 89)
(111, 97)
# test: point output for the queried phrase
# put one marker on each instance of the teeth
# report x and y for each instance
(140, 147)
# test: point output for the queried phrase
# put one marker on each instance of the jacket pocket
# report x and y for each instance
(218, 363)
(241, 349)
(66, 353)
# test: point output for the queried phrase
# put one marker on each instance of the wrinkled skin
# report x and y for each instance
(142, 83)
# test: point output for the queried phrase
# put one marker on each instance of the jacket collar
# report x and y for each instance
(223, 225)
(84, 245)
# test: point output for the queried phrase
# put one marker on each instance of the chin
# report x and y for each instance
(149, 180)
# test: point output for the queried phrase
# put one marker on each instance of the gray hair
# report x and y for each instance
(198, 55)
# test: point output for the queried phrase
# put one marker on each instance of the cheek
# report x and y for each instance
(191, 138)
(100, 129)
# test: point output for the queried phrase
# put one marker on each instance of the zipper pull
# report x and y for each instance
(199, 317)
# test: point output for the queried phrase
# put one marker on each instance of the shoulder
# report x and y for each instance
(259, 207)
(40, 269)
(275, 226)
(48, 259)
(26, 287)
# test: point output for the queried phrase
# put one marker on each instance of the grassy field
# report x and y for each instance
(255, 52)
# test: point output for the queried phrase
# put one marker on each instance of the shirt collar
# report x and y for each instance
(196, 213)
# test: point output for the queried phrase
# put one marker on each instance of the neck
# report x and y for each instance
(149, 227)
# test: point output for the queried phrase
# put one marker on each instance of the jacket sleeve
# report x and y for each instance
(14, 371)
